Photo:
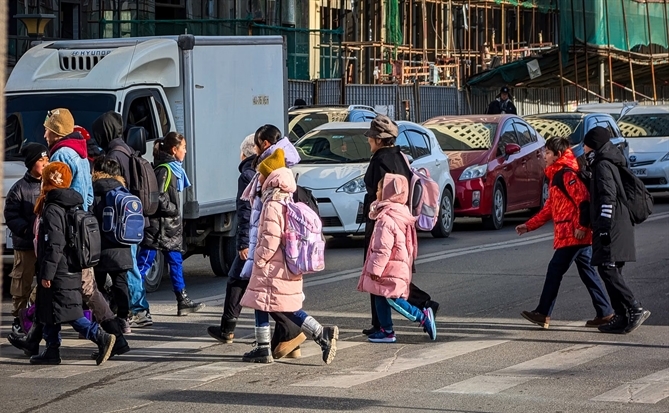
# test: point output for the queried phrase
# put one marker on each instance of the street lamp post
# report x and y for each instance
(35, 24)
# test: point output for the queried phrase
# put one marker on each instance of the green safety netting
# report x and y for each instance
(542, 5)
(393, 29)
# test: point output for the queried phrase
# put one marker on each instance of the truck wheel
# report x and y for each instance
(496, 220)
(222, 252)
(155, 274)
(446, 216)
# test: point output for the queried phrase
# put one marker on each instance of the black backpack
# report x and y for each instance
(558, 181)
(636, 197)
(143, 183)
(304, 195)
(83, 235)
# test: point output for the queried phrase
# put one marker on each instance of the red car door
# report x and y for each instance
(532, 173)
(509, 166)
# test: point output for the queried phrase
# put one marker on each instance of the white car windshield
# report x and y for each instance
(645, 126)
(334, 146)
(463, 135)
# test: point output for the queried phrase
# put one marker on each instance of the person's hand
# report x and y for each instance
(374, 277)
(579, 234)
(522, 229)
(244, 254)
(46, 283)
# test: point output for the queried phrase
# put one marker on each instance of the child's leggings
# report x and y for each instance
(383, 306)
(298, 317)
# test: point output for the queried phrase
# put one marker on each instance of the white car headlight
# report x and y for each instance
(474, 172)
(354, 186)
(665, 158)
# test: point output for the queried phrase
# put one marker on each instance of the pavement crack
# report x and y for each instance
(392, 361)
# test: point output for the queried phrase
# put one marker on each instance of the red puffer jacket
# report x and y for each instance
(565, 211)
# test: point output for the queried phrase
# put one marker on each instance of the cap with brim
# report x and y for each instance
(382, 127)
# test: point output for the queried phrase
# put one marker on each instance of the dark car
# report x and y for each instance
(302, 119)
(497, 162)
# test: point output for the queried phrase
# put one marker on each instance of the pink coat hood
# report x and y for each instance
(394, 244)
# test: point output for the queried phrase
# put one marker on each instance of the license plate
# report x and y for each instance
(639, 172)
(8, 239)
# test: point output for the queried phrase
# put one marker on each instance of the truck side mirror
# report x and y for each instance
(136, 139)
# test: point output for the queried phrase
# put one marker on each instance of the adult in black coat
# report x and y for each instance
(386, 158)
(613, 231)
(502, 104)
(115, 259)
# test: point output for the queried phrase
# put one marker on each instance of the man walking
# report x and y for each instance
(502, 104)
(613, 231)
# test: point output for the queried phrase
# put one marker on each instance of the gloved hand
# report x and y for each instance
(605, 238)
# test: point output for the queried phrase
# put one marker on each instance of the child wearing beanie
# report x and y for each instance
(20, 219)
(59, 271)
(272, 287)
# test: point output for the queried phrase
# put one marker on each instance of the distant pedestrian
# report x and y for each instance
(568, 206)
(300, 102)
(387, 270)
(386, 158)
(502, 104)
(20, 219)
(613, 231)
(272, 287)
(165, 233)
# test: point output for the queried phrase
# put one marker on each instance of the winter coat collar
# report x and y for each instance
(290, 153)
(567, 160)
(66, 198)
(247, 164)
(98, 176)
(28, 177)
(610, 153)
(73, 141)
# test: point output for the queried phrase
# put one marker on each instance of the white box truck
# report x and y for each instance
(214, 90)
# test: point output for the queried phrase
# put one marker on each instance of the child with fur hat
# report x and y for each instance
(393, 248)
(20, 219)
(59, 270)
(272, 287)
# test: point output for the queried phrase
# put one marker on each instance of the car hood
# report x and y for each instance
(13, 171)
(327, 176)
(648, 148)
(461, 159)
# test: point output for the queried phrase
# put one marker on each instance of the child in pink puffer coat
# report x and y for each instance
(387, 270)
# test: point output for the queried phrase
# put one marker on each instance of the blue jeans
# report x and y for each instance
(558, 267)
(83, 326)
(402, 306)
(136, 290)
(298, 317)
(146, 258)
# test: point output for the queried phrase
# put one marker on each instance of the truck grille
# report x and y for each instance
(79, 63)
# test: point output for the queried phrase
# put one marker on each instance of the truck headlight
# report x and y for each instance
(354, 186)
(474, 172)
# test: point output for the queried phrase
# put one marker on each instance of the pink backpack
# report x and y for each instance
(304, 245)
(423, 198)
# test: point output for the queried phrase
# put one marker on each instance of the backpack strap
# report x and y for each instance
(558, 181)
(169, 175)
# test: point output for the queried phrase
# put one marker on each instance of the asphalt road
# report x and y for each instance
(486, 357)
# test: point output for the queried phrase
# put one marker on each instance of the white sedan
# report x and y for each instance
(335, 157)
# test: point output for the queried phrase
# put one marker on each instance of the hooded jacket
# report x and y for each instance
(114, 257)
(57, 261)
(609, 215)
(165, 230)
(108, 132)
(246, 174)
(568, 213)
(272, 287)
(394, 245)
(497, 107)
(73, 151)
(19, 211)
(250, 194)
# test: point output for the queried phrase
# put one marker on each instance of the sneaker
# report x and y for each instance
(370, 331)
(382, 336)
(617, 325)
(636, 317)
(16, 327)
(539, 319)
(428, 324)
(598, 321)
(125, 326)
(433, 305)
(142, 319)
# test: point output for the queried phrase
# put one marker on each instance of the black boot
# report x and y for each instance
(121, 346)
(30, 342)
(617, 325)
(262, 352)
(225, 333)
(105, 342)
(636, 315)
(50, 356)
(326, 337)
(186, 305)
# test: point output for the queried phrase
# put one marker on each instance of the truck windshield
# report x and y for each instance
(26, 114)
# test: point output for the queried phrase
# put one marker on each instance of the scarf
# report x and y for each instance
(178, 171)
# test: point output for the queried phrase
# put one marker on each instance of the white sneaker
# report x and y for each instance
(142, 319)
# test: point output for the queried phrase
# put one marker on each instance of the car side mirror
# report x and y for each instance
(136, 139)
(511, 148)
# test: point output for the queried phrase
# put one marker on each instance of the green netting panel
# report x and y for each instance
(542, 5)
(393, 29)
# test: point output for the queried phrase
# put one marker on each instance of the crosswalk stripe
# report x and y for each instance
(430, 355)
(500, 380)
(64, 371)
(223, 369)
(647, 390)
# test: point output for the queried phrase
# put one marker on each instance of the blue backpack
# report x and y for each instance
(123, 217)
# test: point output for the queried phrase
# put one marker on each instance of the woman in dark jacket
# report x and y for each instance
(386, 158)
(165, 231)
(59, 271)
(115, 259)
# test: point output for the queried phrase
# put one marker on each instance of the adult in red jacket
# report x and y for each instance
(568, 206)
